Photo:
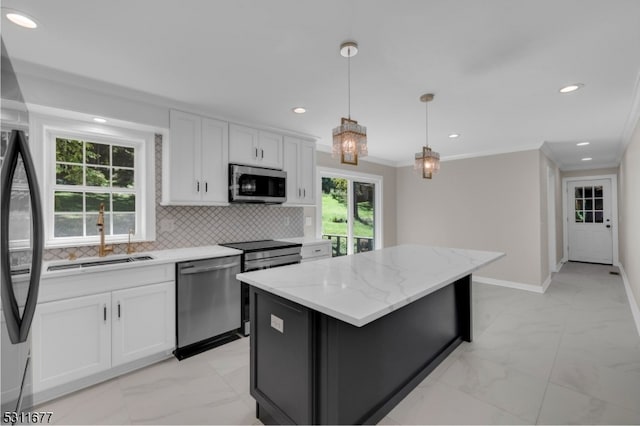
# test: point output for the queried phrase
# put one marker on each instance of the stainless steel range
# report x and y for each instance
(263, 255)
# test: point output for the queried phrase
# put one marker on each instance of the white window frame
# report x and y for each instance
(43, 134)
(351, 176)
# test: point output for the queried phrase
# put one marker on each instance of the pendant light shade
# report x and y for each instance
(427, 162)
(349, 138)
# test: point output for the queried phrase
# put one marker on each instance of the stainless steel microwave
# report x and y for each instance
(249, 184)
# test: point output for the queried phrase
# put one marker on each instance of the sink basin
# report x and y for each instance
(90, 263)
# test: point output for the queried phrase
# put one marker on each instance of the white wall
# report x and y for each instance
(629, 213)
(485, 203)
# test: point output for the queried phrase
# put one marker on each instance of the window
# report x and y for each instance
(589, 204)
(86, 166)
(350, 211)
(90, 175)
(20, 207)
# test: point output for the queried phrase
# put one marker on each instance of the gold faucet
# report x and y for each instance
(102, 249)
(129, 248)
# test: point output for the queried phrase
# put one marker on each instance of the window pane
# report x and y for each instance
(588, 204)
(94, 199)
(579, 192)
(97, 176)
(579, 216)
(124, 202)
(334, 213)
(67, 201)
(588, 192)
(68, 150)
(123, 178)
(598, 216)
(68, 175)
(67, 225)
(123, 156)
(579, 204)
(92, 223)
(598, 191)
(122, 222)
(588, 217)
(97, 153)
(363, 216)
(19, 215)
(598, 204)
(4, 143)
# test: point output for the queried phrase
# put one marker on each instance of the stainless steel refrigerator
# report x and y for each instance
(21, 245)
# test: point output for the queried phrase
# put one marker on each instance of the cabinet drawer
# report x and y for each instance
(316, 250)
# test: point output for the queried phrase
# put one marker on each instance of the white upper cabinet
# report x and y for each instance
(195, 160)
(300, 165)
(254, 147)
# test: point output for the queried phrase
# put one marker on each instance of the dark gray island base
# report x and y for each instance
(310, 368)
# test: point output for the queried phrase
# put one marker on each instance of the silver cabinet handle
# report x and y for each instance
(262, 153)
(197, 186)
(299, 193)
(304, 193)
(206, 187)
(256, 152)
(104, 312)
(118, 310)
(317, 250)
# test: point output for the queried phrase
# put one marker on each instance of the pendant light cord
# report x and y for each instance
(349, 81)
(426, 120)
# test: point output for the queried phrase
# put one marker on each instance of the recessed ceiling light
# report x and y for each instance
(583, 143)
(99, 120)
(299, 110)
(22, 19)
(571, 88)
(587, 159)
(454, 136)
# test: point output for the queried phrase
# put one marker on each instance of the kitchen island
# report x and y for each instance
(343, 340)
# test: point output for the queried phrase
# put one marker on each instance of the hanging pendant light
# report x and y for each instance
(427, 162)
(349, 138)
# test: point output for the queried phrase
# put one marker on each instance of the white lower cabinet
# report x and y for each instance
(143, 322)
(71, 339)
(81, 336)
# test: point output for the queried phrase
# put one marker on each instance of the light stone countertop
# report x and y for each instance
(361, 288)
(159, 257)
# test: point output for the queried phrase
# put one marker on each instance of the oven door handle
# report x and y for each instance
(187, 270)
(251, 265)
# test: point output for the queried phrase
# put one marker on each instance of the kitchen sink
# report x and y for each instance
(90, 263)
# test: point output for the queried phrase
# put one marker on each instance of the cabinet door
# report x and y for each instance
(290, 163)
(307, 171)
(215, 160)
(270, 150)
(71, 340)
(184, 157)
(143, 321)
(243, 145)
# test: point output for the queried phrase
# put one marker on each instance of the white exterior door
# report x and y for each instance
(590, 221)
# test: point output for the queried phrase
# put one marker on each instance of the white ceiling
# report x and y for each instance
(495, 66)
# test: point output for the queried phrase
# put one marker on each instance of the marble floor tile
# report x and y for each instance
(515, 392)
(439, 403)
(566, 406)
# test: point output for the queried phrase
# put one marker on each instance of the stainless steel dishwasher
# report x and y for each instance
(208, 304)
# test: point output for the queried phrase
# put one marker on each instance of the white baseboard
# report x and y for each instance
(513, 284)
(635, 309)
(545, 284)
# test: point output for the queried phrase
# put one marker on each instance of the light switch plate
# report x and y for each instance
(307, 221)
(277, 323)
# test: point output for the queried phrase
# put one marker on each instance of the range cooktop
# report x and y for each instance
(249, 246)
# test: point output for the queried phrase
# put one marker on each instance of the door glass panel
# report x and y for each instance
(598, 216)
(579, 204)
(588, 192)
(579, 216)
(579, 192)
(598, 191)
(588, 204)
(363, 216)
(598, 204)
(334, 214)
(588, 217)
